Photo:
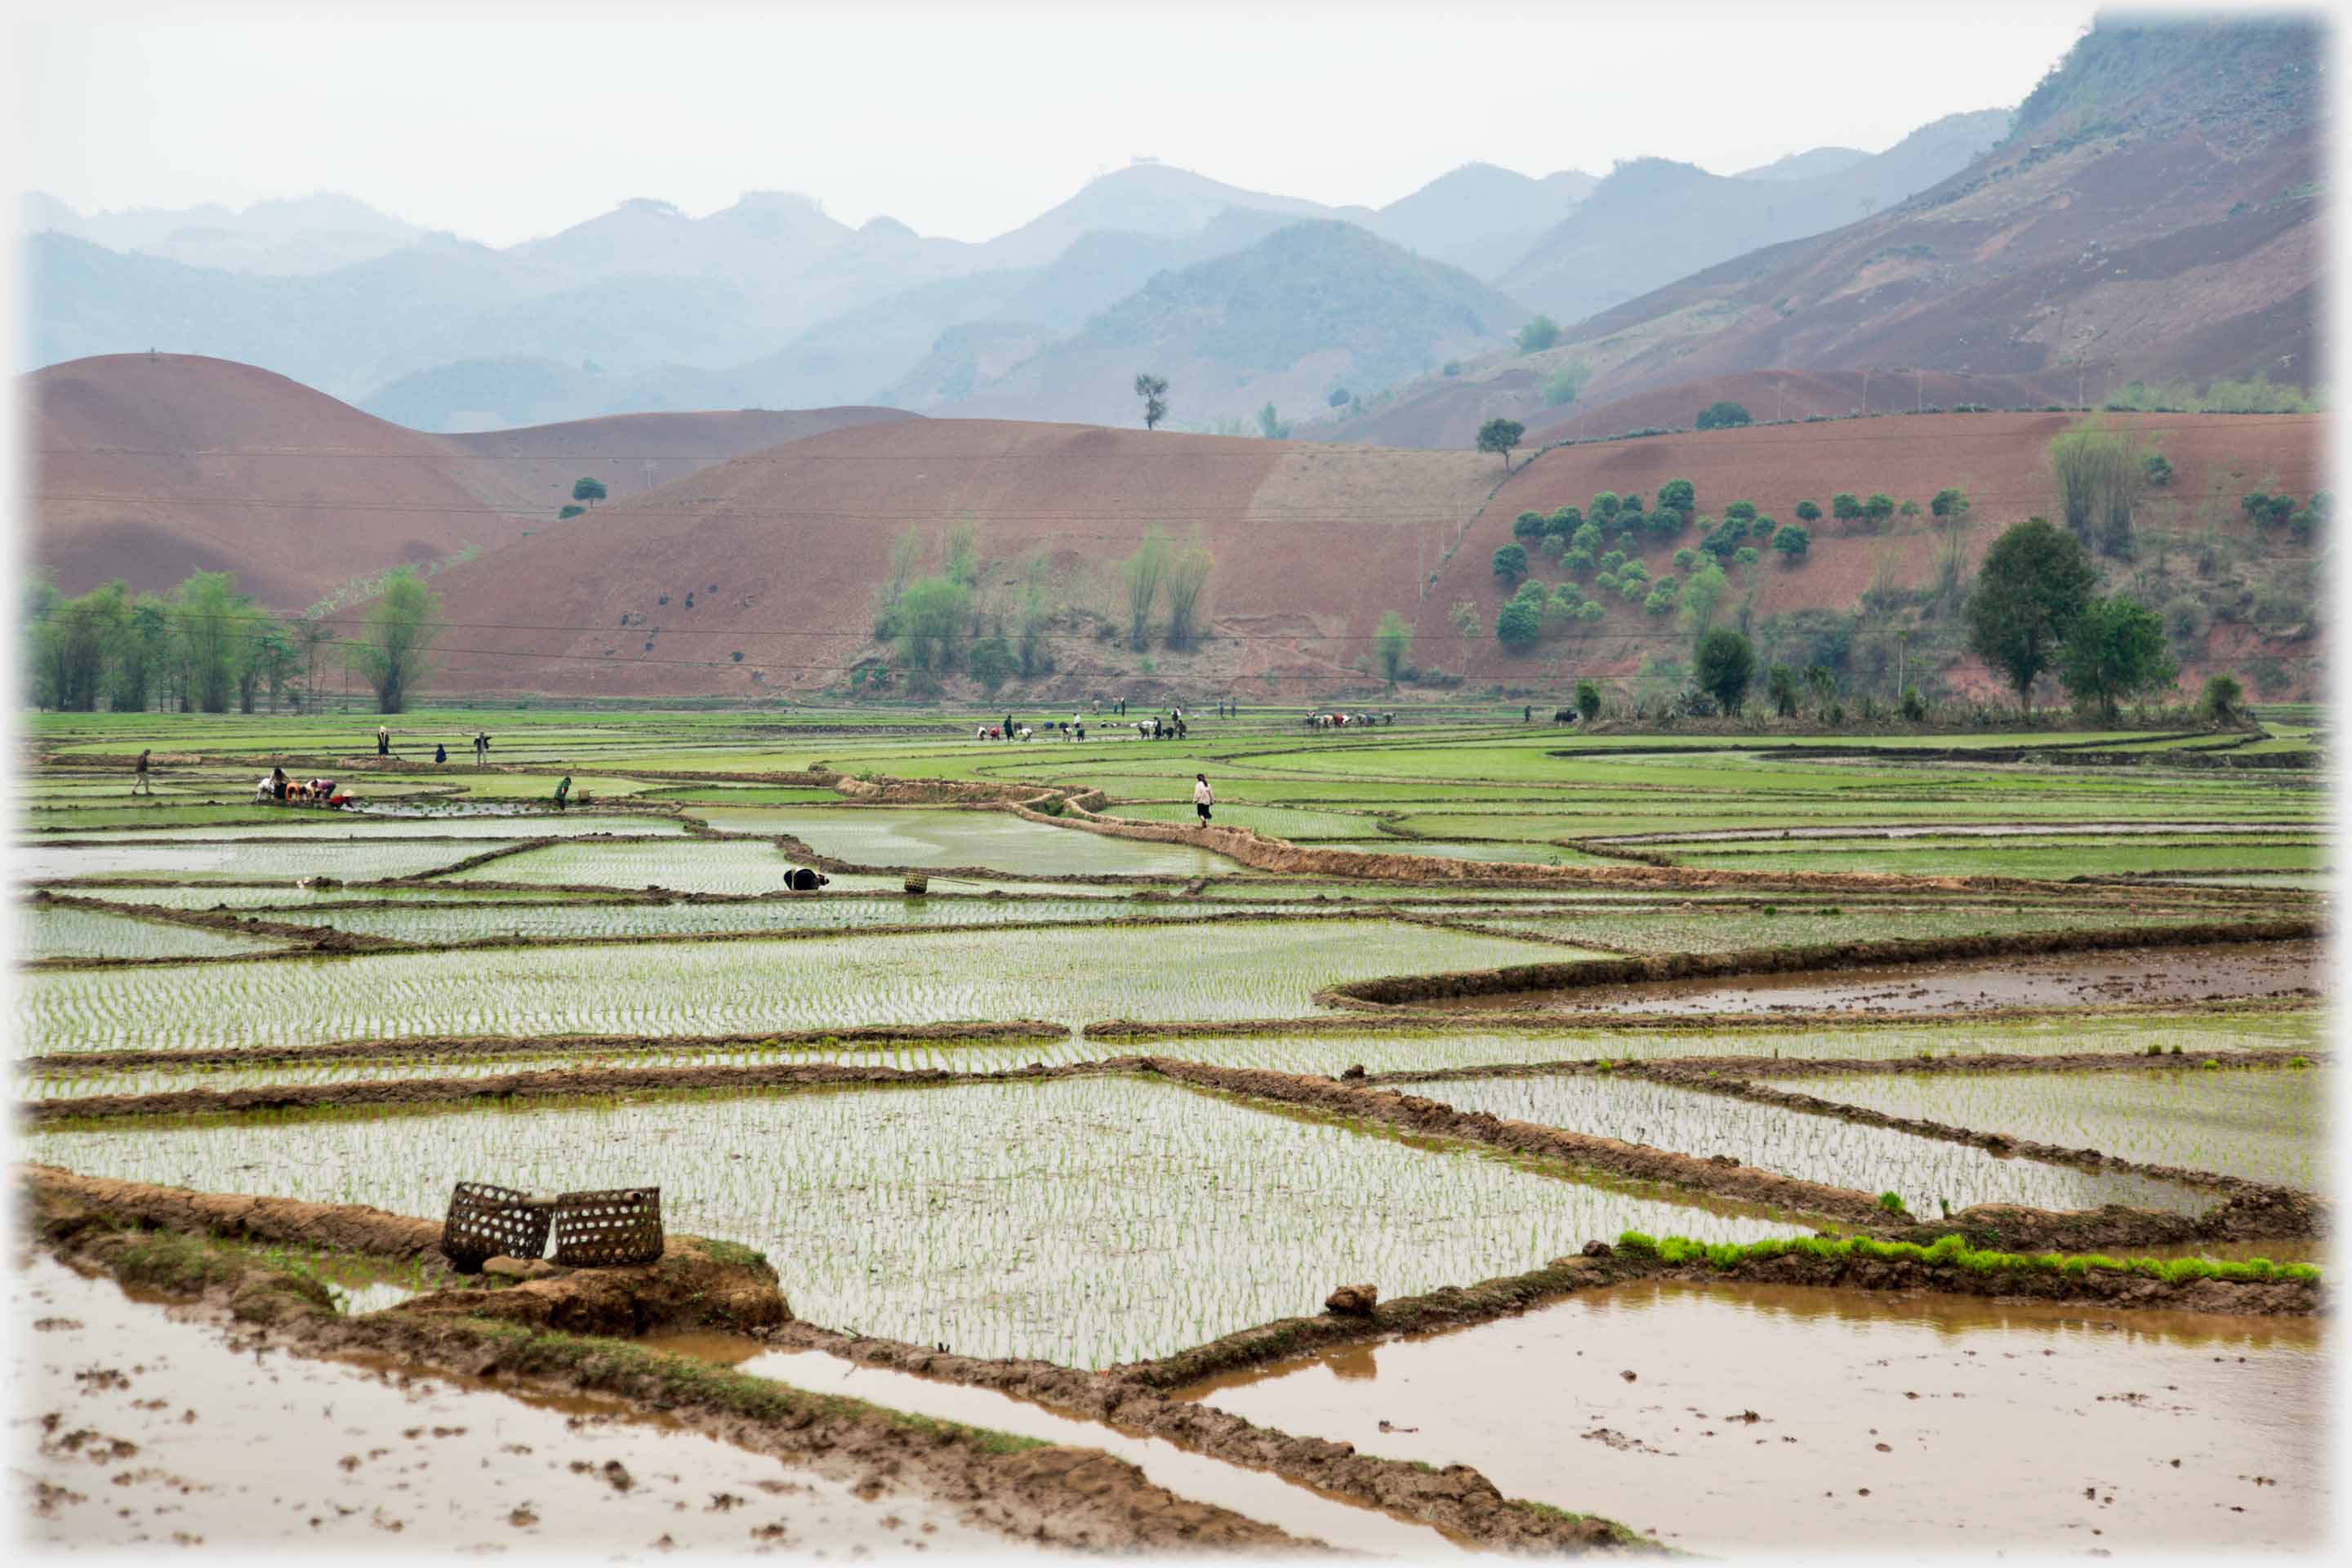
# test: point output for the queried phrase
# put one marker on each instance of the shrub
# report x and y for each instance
(1562, 387)
(1685, 559)
(1878, 508)
(2222, 697)
(1844, 508)
(1511, 563)
(1518, 626)
(569, 512)
(1726, 662)
(1538, 335)
(2155, 469)
(1915, 706)
(1807, 512)
(1723, 416)
(1528, 525)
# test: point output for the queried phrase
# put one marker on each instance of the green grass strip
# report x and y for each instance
(1953, 1251)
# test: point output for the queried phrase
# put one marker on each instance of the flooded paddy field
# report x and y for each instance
(1721, 1416)
(460, 983)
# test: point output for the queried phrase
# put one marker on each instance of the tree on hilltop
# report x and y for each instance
(1499, 436)
(1153, 390)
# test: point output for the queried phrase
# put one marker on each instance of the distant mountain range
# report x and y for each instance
(1660, 273)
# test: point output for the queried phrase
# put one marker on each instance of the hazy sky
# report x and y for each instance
(505, 121)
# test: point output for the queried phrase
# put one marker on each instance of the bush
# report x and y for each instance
(1844, 507)
(1340, 397)
(1518, 626)
(1685, 559)
(1588, 700)
(2222, 698)
(1723, 416)
(1915, 706)
(2155, 469)
(1807, 512)
(1528, 525)
(1561, 387)
(569, 512)
(1726, 664)
(1538, 335)
(1511, 563)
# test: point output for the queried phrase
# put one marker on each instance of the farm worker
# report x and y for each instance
(440, 753)
(1527, 714)
(264, 792)
(139, 784)
(1008, 726)
(481, 748)
(1203, 796)
(1081, 732)
(278, 783)
(562, 791)
(803, 880)
(383, 742)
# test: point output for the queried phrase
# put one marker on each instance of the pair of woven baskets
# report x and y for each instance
(593, 1230)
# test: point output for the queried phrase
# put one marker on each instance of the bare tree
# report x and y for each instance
(1153, 390)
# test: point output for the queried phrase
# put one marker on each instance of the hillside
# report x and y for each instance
(150, 467)
(1652, 221)
(782, 552)
(1313, 308)
(287, 237)
(2155, 216)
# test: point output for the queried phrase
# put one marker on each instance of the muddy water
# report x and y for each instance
(1939, 1424)
(1301, 1511)
(133, 1428)
(2155, 975)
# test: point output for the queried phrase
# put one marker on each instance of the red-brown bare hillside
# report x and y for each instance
(783, 552)
(149, 467)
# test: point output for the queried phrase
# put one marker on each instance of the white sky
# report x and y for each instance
(508, 119)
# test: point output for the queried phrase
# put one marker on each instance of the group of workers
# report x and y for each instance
(440, 752)
(1336, 721)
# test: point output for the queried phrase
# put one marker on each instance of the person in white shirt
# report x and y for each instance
(1203, 796)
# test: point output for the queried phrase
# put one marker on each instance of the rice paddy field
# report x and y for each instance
(1046, 1070)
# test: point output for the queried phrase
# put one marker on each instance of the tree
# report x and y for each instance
(992, 663)
(932, 615)
(1566, 383)
(1781, 685)
(2098, 477)
(569, 512)
(1153, 390)
(2034, 581)
(1538, 335)
(2222, 695)
(1518, 626)
(390, 654)
(1271, 425)
(139, 654)
(1528, 525)
(1678, 496)
(1724, 664)
(1807, 511)
(1724, 416)
(1700, 597)
(1511, 563)
(277, 659)
(583, 489)
(1392, 641)
(1949, 503)
(2114, 649)
(208, 624)
(1142, 573)
(1500, 436)
(1188, 579)
(1878, 508)
(1843, 506)
(2155, 469)
(1341, 397)
(1588, 700)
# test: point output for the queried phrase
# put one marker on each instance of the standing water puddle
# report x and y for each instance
(2072, 979)
(1738, 1418)
(138, 1429)
(1259, 1494)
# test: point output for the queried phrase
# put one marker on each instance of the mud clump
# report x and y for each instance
(698, 1284)
(1353, 1301)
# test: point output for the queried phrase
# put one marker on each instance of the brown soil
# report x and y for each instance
(1521, 982)
(1071, 1497)
(154, 466)
(2150, 976)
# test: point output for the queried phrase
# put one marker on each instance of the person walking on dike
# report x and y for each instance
(1203, 796)
(139, 784)
(383, 742)
(481, 748)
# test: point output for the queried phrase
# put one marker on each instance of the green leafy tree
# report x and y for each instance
(1153, 390)
(991, 663)
(2157, 470)
(569, 512)
(1463, 614)
(1724, 416)
(1878, 508)
(1528, 525)
(398, 634)
(2114, 649)
(1499, 436)
(2098, 477)
(1188, 580)
(209, 623)
(1511, 563)
(1781, 685)
(2223, 698)
(1678, 496)
(1701, 595)
(277, 659)
(1588, 700)
(2034, 582)
(1949, 503)
(1518, 626)
(1271, 425)
(1807, 512)
(1724, 664)
(1843, 506)
(582, 489)
(1566, 383)
(1792, 542)
(140, 652)
(1392, 642)
(1538, 335)
(933, 614)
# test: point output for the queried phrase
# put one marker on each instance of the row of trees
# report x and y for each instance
(205, 647)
